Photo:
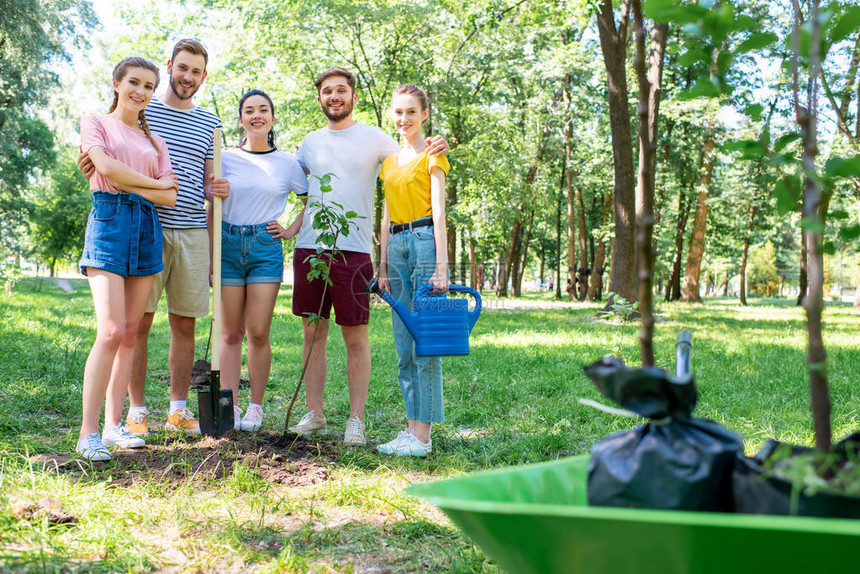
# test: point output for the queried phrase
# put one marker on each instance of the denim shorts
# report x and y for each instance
(249, 254)
(123, 236)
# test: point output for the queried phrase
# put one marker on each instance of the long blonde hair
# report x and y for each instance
(119, 72)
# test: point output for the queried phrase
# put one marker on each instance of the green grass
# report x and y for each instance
(512, 401)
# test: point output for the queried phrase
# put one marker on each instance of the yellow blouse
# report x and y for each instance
(407, 187)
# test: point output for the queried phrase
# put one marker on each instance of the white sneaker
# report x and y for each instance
(118, 435)
(354, 433)
(253, 419)
(310, 424)
(237, 417)
(390, 446)
(92, 448)
(411, 446)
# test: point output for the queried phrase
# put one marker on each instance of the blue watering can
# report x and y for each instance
(440, 326)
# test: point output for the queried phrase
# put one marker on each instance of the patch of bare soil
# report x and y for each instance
(289, 460)
(44, 507)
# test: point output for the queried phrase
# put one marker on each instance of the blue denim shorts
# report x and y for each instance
(250, 255)
(123, 236)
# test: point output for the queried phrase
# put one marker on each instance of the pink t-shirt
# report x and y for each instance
(126, 144)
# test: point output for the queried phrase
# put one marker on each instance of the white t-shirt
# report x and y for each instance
(260, 185)
(353, 155)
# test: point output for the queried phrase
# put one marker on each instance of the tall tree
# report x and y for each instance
(613, 42)
(33, 35)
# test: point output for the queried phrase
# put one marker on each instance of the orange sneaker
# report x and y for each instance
(135, 423)
(183, 420)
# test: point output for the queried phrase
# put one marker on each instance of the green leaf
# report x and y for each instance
(849, 233)
(846, 24)
(784, 140)
(754, 111)
(812, 224)
(691, 57)
(838, 215)
(724, 60)
(750, 149)
(757, 41)
(351, 214)
(703, 88)
(672, 11)
(325, 188)
(784, 199)
(764, 138)
(781, 159)
(827, 247)
(843, 167)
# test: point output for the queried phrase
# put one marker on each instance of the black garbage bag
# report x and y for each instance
(757, 491)
(674, 461)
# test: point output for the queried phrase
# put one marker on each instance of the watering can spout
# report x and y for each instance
(409, 319)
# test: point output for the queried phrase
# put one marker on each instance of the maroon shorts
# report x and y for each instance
(346, 292)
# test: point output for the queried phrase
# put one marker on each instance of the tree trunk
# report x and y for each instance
(473, 268)
(693, 268)
(813, 210)
(745, 256)
(558, 236)
(613, 43)
(673, 286)
(463, 261)
(648, 109)
(542, 270)
(504, 271)
(451, 192)
(583, 271)
(803, 280)
(595, 283)
(523, 257)
(571, 199)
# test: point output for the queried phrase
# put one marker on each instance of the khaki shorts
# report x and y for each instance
(186, 273)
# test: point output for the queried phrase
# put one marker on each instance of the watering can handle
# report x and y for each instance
(425, 290)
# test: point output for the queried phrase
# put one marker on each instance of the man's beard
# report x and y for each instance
(345, 110)
(176, 92)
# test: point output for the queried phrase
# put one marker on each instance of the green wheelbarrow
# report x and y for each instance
(535, 519)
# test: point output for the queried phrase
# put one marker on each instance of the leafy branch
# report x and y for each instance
(331, 222)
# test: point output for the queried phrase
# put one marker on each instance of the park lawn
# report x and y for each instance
(512, 401)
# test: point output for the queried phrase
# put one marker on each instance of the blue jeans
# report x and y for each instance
(411, 262)
(123, 236)
(249, 254)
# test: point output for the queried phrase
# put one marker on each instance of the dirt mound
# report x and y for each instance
(175, 460)
(200, 376)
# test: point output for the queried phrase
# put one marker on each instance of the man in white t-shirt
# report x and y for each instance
(352, 152)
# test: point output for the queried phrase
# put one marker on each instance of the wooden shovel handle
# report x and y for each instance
(216, 260)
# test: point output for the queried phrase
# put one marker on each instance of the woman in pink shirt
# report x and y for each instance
(122, 249)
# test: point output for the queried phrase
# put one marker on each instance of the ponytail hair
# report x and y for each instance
(245, 96)
(119, 72)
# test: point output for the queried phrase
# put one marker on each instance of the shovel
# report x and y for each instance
(216, 405)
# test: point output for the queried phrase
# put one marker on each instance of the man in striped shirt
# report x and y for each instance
(187, 129)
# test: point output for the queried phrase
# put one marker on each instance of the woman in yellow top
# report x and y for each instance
(414, 253)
